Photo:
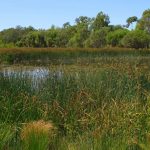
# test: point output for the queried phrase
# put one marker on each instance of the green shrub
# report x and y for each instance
(114, 38)
(136, 39)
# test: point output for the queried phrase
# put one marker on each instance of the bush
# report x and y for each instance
(97, 38)
(136, 39)
(114, 38)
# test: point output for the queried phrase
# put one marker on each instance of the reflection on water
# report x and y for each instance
(37, 75)
(34, 72)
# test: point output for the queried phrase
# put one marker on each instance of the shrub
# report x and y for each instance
(136, 39)
(114, 38)
(97, 38)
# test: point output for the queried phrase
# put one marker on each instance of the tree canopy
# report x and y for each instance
(144, 22)
(95, 32)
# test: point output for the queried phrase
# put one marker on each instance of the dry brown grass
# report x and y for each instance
(37, 127)
(7, 50)
(37, 135)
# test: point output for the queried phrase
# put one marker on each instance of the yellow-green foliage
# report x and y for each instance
(6, 135)
(37, 135)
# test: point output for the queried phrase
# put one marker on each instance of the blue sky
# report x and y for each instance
(44, 13)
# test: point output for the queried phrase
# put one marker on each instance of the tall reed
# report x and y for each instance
(98, 106)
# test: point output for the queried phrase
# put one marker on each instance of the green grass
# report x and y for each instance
(37, 135)
(102, 104)
(6, 135)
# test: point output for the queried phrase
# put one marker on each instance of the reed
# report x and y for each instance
(99, 105)
(60, 55)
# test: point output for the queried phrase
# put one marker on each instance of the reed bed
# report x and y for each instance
(103, 105)
(63, 56)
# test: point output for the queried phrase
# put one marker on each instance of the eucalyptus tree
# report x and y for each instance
(130, 20)
(144, 22)
(82, 31)
(101, 20)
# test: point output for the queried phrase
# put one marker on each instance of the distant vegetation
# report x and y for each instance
(85, 33)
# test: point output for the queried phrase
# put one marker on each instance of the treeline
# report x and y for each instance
(85, 33)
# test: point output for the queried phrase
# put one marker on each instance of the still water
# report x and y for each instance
(37, 75)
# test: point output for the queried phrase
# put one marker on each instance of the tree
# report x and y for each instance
(101, 20)
(12, 36)
(66, 25)
(144, 22)
(83, 20)
(114, 38)
(64, 35)
(79, 37)
(86, 32)
(130, 20)
(136, 39)
(51, 37)
(33, 39)
(82, 32)
(115, 27)
(97, 38)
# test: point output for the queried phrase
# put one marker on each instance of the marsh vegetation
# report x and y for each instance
(79, 100)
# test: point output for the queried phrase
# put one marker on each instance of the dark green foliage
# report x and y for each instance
(33, 39)
(136, 39)
(101, 20)
(114, 38)
(82, 32)
(144, 22)
(130, 20)
(14, 35)
(97, 38)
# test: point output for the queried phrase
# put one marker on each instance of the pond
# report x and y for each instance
(37, 75)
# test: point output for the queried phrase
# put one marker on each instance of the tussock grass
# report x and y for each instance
(37, 135)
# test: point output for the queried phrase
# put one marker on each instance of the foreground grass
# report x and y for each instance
(104, 106)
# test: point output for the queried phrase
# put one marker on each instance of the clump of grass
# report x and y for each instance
(37, 135)
(6, 134)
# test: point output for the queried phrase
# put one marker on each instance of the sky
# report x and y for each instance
(42, 14)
